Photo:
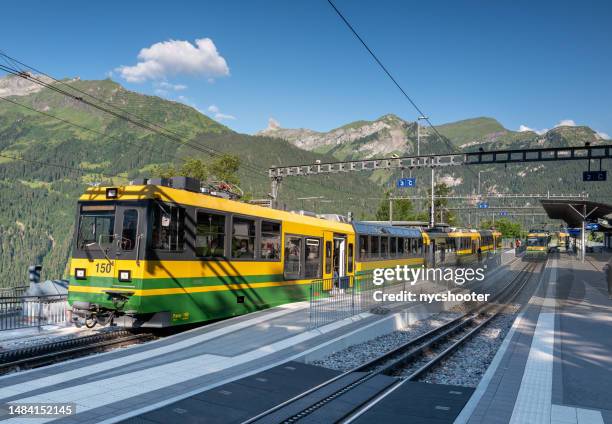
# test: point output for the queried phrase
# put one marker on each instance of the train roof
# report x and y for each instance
(384, 230)
(190, 198)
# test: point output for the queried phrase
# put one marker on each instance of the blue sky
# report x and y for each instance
(295, 61)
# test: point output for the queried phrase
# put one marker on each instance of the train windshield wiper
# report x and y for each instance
(95, 243)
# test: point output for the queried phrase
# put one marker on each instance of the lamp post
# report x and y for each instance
(419, 134)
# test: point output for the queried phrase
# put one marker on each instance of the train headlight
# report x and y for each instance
(125, 276)
(112, 193)
(80, 274)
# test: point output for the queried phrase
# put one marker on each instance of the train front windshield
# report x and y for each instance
(108, 228)
(537, 241)
(96, 226)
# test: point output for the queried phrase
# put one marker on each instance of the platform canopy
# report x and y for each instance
(574, 212)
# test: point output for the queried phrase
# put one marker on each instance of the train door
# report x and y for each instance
(341, 281)
(328, 269)
(339, 255)
(128, 246)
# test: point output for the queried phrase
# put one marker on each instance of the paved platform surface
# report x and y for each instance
(555, 367)
(419, 403)
(123, 383)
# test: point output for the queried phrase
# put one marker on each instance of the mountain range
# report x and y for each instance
(45, 136)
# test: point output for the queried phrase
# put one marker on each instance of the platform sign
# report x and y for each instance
(503, 213)
(592, 226)
(594, 175)
(406, 182)
(483, 205)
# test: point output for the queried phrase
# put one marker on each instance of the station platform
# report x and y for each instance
(132, 383)
(555, 365)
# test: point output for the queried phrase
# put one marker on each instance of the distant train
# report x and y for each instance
(161, 253)
(538, 242)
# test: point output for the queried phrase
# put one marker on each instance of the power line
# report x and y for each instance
(16, 67)
(6, 57)
(147, 147)
(386, 71)
(144, 125)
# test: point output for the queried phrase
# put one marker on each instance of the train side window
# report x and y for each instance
(415, 246)
(400, 247)
(420, 245)
(384, 246)
(375, 240)
(293, 257)
(168, 227)
(328, 257)
(270, 240)
(393, 246)
(210, 235)
(407, 246)
(350, 257)
(313, 258)
(363, 247)
(243, 238)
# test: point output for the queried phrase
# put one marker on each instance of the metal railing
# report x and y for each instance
(339, 298)
(334, 299)
(13, 291)
(32, 311)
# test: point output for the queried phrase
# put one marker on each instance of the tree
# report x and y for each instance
(402, 209)
(508, 228)
(224, 168)
(441, 189)
(195, 168)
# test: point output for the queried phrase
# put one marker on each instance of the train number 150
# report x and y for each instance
(103, 267)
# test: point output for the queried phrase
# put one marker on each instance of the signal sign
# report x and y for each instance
(406, 182)
(594, 175)
(483, 205)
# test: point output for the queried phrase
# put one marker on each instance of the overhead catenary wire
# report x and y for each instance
(21, 67)
(392, 78)
(134, 119)
(93, 131)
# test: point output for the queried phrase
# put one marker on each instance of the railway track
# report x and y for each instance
(53, 352)
(370, 382)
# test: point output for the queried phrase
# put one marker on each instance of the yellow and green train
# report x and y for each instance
(160, 253)
(455, 247)
(537, 242)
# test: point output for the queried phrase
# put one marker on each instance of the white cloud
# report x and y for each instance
(174, 57)
(566, 123)
(273, 124)
(602, 135)
(222, 116)
(216, 113)
(525, 128)
(164, 85)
